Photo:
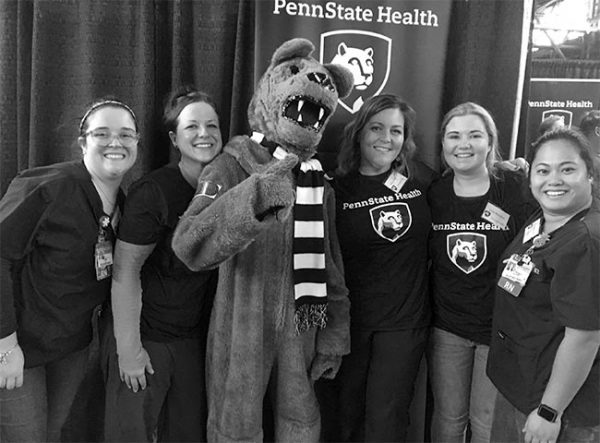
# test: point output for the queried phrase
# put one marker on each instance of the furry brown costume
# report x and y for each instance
(241, 220)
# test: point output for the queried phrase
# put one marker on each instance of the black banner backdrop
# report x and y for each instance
(391, 46)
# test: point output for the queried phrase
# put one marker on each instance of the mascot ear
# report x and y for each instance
(343, 78)
(297, 47)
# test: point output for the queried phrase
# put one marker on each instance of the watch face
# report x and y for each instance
(547, 413)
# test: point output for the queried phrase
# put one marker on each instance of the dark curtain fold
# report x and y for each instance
(483, 59)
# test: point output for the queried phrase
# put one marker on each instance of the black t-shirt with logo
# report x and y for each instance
(176, 301)
(383, 238)
(561, 291)
(464, 248)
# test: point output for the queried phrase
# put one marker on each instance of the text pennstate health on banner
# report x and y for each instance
(394, 46)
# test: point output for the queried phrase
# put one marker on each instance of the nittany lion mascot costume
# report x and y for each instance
(263, 212)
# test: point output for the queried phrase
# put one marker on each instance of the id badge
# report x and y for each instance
(103, 259)
(395, 181)
(515, 274)
(532, 230)
(495, 215)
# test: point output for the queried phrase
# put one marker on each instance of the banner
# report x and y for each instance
(568, 99)
(393, 46)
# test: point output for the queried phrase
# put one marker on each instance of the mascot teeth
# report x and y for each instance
(306, 112)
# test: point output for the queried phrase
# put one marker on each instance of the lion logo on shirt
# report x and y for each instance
(391, 221)
(467, 250)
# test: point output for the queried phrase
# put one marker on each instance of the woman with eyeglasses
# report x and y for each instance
(57, 226)
(156, 388)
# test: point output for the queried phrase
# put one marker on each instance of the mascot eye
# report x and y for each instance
(294, 69)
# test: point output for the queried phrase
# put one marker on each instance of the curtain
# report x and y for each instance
(482, 61)
(58, 56)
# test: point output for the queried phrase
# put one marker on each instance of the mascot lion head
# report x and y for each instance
(296, 97)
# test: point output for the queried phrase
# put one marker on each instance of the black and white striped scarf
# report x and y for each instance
(310, 289)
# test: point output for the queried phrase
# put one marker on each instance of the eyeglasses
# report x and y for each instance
(104, 137)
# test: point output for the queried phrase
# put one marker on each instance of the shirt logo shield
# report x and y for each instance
(366, 54)
(391, 220)
(467, 250)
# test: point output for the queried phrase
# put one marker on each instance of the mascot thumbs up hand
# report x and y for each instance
(275, 194)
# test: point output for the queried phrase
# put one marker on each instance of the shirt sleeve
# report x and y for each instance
(22, 209)
(519, 196)
(575, 285)
(144, 216)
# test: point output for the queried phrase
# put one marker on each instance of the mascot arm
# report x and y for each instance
(334, 339)
(225, 217)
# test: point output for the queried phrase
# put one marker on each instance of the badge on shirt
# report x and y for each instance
(395, 181)
(495, 215)
(532, 230)
(515, 274)
(103, 259)
(103, 251)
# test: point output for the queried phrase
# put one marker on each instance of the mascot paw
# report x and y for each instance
(276, 194)
(325, 366)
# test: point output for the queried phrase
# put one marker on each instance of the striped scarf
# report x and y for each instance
(310, 289)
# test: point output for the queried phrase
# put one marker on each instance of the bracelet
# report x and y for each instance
(4, 355)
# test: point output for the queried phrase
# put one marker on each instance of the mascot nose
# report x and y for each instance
(321, 79)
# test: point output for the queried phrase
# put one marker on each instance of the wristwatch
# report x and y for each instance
(547, 413)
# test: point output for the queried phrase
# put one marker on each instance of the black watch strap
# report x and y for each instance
(547, 413)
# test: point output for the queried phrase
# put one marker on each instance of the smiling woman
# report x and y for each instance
(57, 228)
(161, 308)
(546, 332)
(476, 211)
(383, 222)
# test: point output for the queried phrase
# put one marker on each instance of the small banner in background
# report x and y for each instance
(396, 46)
(566, 98)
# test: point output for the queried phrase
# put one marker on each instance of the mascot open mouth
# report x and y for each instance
(306, 112)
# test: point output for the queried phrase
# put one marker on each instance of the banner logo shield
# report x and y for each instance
(391, 220)
(467, 250)
(565, 116)
(366, 54)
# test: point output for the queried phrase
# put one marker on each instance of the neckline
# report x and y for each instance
(378, 177)
(484, 194)
(111, 204)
